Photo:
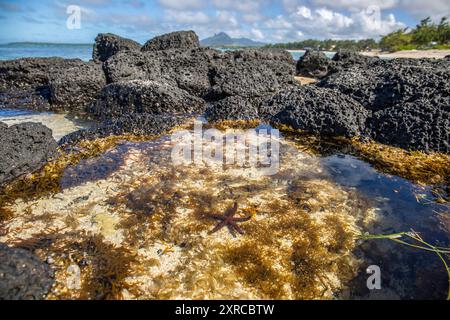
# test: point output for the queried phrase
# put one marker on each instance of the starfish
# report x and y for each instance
(229, 220)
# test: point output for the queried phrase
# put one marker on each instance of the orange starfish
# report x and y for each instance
(229, 220)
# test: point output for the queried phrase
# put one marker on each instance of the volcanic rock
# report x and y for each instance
(127, 97)
(316, 110)
(108, 44)
(24, 148)
(173, 40)
(22, 275)
(314, 64)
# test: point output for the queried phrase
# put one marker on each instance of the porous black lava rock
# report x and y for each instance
(173, 40)
(76, 87)
(383, 84)
(187, 69)
(344, 59)
(207, 73)
(22, 275)
(138, 96)
(423, 124)
(314, 64)
(108, 44)
(49, 83)
(24, 148)
(251, 73)
(135, 123)
(316, 110)
(232, 108)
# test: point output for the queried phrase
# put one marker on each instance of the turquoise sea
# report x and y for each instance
(81, 51)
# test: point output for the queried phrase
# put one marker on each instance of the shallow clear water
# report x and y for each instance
(61, 124)
(297, 245)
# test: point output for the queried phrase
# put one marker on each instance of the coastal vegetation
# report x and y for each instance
(426, 35)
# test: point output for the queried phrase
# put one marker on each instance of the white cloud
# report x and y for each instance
(304, 12)
(226, 19)
(257, 34)
(357, 5)
(182, 4)
(239, 5)
(187, 17)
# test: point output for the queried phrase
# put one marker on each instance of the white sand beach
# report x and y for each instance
(436, 54)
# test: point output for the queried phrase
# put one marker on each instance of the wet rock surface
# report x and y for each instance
(123, 98)
(22, 275)
(173, 40)
(314, 64)
(316, 110)
(108, 44)
(24, 148)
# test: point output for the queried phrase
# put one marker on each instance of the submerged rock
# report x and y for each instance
(24, 148)
(316, 110)
(232, 108)
(22, 275)
(313, 64)
(127, 97)
(423, 124)
(108, 44)
(173, 40)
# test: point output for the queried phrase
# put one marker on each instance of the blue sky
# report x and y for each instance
(263, 20)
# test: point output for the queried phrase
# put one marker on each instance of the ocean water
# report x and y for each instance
(68, 51)
(81, 51)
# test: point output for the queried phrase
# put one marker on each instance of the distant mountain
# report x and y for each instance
(223, 40)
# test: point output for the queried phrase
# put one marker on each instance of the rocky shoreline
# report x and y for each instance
(131, 88)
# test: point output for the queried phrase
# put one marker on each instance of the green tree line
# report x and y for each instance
(425, 35)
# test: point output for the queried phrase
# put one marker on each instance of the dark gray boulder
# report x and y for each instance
(251, 73)
(232, 108)
(138, 96)
(24, 148)
(187, 69)
(52, 84)
(22, 275)
(173, 40)
(316, 110)
(344, 59)
(383, 84)
(447, 57)
(108, 44)
(423, 124)
(76, 87)
(314, 64)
